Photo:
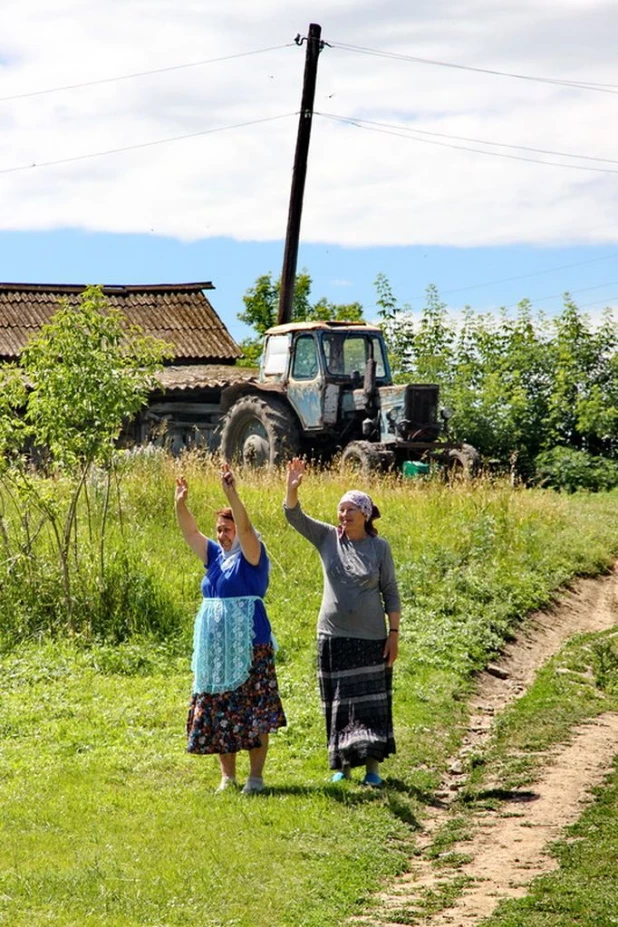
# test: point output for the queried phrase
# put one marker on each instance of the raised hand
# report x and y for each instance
(295, 471)
(182, 490)
(228, 480)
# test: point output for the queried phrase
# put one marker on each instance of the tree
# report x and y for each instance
(87, 372)
(583, 408)
(262, 306)
(13, 396)
(517, 386)
(398, 327)
(434, 341)
(500, 384)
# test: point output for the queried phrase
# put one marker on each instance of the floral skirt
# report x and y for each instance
(227, 722)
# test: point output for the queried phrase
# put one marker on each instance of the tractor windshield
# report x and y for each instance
(346, 354)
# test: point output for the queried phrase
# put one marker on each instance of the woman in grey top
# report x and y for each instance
(356, 649)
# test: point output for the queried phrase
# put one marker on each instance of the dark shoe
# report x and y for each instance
(373, 780)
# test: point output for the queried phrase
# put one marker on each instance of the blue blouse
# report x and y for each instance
(226, 579)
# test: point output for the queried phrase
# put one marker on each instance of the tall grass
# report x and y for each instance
(106, 820)
(472, 558)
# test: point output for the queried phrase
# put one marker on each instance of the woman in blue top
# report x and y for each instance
(235, 702)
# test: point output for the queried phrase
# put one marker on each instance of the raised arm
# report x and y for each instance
(315, 531)
(247, 538)
(197, 541)
(294, 476)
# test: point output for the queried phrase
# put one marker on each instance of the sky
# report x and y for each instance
(467, 144)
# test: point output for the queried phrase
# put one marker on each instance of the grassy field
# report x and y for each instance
(104, 819)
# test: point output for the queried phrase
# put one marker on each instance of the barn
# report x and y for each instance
(185, 411)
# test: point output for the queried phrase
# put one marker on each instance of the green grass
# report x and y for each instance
(104, 819)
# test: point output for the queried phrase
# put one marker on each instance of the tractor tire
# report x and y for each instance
(361, 457)
(259, 432)
(463, 461)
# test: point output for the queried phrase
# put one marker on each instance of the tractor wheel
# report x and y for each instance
(259, 432)
(463, 461)
(361, 457)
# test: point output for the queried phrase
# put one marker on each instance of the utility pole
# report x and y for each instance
(290, 255)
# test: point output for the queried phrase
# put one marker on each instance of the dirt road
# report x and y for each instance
(506, 850)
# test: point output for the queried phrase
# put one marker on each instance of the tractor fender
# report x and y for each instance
(235, 391)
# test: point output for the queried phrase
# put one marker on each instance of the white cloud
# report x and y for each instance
(363, 187)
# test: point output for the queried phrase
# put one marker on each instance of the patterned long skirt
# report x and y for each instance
(227, 722)
(356, 688)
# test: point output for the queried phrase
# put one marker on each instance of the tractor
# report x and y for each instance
(326, 388)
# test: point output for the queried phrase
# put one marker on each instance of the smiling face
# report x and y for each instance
(351, 519)
(226, 532)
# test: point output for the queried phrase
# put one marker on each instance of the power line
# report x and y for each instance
(480, 141)
(536, 273)
(585, 289)
(159, 141)
(579, 85)
(606, 300)
(362, 124)
(135, 74)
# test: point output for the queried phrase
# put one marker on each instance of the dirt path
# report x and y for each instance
(506, 850)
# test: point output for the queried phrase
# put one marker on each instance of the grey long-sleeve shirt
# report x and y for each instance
(359, 579)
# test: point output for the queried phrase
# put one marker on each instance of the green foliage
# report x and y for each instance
(88, 371)
(251, 352)
(13, 397)
(262, 305)
(567, 469)
(399, 330)
(517, 386)
(605, 665)
(114, 601)
(261, 302)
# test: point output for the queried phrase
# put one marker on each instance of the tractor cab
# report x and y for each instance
(323, 367)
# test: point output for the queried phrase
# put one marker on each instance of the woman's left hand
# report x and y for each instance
(391, 649)
(228, 480)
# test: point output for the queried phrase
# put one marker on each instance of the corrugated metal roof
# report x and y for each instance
(178, 313)
(203, 376)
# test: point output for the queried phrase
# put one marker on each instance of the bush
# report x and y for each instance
(566, 469)
(124, 600)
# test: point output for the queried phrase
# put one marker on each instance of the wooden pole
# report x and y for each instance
(299, 173)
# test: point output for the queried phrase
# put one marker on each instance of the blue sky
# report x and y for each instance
(460, 143)
(477, 276)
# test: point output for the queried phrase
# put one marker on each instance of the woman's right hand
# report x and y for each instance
(182, 490)
(295, 471)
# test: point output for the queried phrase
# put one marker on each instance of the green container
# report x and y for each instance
(414, 468)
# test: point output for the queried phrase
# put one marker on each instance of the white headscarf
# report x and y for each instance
(360, 499)
(233, 551)
(229, 556)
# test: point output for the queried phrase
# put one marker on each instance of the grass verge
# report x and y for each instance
(105, 820)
